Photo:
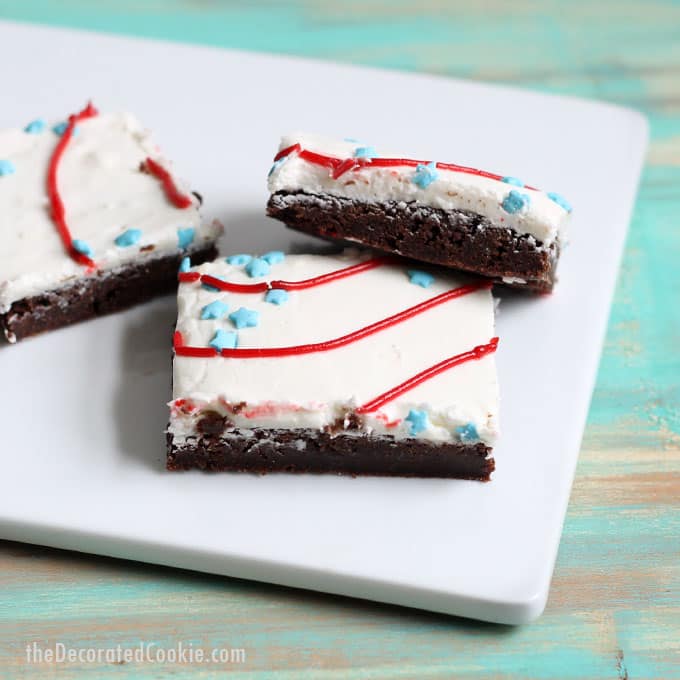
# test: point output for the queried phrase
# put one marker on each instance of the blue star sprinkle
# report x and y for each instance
(513, 180)
(81, 247)
(273, 257)
(422, 279)
(224, 340)
(417, 421)
(425, 174)
(129, 237)
(185, 237)
(214, 310)
(276, 165)
(257, 267)
(560, 200)
(60, 128)
(367, 152)
(7, 168)
(467, 433)
(35, 126)
(245, 318)
(351, 140)
(514, 202)
(185, 264)
(239, 259)
(276, 296)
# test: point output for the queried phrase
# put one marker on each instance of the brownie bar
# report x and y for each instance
(89, 297)
(458, 239)
(277, 368)
(264, 450)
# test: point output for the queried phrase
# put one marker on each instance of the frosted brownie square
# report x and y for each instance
(343, 364)
(440, 213)
(92, 220)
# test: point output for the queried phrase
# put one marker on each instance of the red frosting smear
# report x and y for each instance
(388, 423)
(57, 210)
(175, 196)
(270, 408)
(263, 286)
(475, 354)
(185, 406)
(339, 166)
(295, 350)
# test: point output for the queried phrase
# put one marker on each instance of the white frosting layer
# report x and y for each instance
(542, 218)
(317, 390)
(104, 194)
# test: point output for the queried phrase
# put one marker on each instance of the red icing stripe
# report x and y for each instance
(296, 350)
(175, 196)
(475, 354)
(197, 352)
(288, 150)
(188, 277)
(182, 350)
(234, 287)
(57, 210)
(340, 166)
(263, 286)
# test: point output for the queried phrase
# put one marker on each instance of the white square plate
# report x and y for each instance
(83, 409)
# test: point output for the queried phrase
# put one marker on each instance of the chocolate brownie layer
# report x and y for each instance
(92, 296)
(461, 240)
(262, 450)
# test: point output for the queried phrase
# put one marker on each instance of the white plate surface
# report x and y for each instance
(83, 409)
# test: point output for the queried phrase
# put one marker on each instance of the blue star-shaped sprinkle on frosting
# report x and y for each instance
(81, 247)
(420, 278)
(224, 340)
(276, 296)
(257, 267)
(185, 237)
(417, 421)
(560, 200)
(425, 174)
(513, 180)
(274, 257)
(276, 165)
(185, 265)
(515, 202)
(467, 433)
(239, 259)
(128, 238)
(35, 126)
(367, 152)
(60, 128)
(245, 318)
(214, 310)
(7, 168)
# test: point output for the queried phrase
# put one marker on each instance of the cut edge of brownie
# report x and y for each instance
(457, 239)
(93, 296)
(309, 451)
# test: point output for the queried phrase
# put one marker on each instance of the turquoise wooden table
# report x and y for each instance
(614, 609)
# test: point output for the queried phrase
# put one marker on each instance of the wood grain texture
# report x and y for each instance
(614, 609)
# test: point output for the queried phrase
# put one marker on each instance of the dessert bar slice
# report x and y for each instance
(92, 221)
(344, 364)
(436, 212)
